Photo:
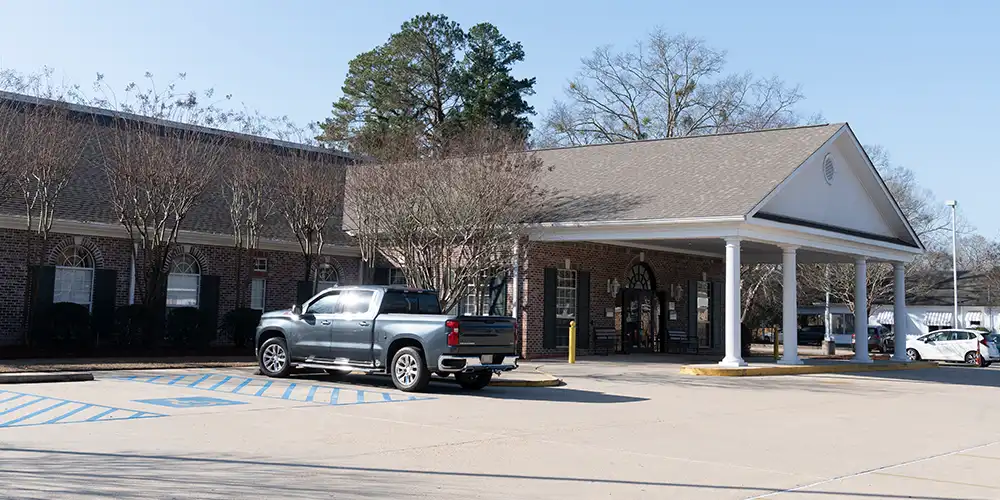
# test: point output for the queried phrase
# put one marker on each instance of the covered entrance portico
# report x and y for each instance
(816, 198)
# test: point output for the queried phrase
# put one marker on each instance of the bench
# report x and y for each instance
(605, 340)
(679, 342)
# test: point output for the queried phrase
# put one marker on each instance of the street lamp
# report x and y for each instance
(954, 257)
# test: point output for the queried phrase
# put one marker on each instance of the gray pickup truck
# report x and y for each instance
(389, 330)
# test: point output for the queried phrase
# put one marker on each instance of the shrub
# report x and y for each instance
(63, 328)
(241, 325)
(133, 328)
(185, 329)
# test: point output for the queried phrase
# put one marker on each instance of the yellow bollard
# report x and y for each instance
(572, 342)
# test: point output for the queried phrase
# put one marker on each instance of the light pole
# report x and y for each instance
(954, 257)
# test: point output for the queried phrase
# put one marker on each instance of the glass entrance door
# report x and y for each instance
(640, 321)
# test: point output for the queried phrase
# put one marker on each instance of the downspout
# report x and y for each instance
(131, 277)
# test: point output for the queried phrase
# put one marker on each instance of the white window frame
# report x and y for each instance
(260, 264)
(70, 272)
(263, 293)
(197, 276)
(323, 284)
(396, 276)
(566, 292)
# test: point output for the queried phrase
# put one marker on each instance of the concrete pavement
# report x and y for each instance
(616, 430)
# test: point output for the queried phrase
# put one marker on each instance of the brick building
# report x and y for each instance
(643, 246)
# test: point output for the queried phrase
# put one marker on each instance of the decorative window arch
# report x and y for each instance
(184, 281)
(74, 275)
(640, 277)
(327, 275)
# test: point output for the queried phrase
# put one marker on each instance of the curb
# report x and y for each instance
(44, 377)
(548, 381)
(803, 369)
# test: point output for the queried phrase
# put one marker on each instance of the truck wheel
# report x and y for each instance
(409, 371)
(273, 358)
(474, 381)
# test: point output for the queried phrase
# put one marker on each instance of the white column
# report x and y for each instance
(900, 320)
(789, 309)
(733, 357)
(861, 311)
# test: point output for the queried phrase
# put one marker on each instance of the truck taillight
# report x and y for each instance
(452, 326)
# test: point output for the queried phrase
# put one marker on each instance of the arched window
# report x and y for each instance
(640, 278)
(326, 277)
(74, 280)
(184, 282)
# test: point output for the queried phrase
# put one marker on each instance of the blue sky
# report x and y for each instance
(917, 77)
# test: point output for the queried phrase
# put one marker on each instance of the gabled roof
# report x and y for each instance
(724, 175)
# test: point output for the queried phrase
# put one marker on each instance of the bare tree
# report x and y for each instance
(156, 174)
(310, 199)
(666, 86)
(761, 294)
(246, 186)
(451, 221)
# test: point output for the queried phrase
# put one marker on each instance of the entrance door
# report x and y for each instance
(640, 321)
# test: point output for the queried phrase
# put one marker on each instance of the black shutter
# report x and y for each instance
(43, 287)
(718, 312)
(303, 292)
(102, 308)
(549, 309)
(381, 276)
(692, 308)
(583, 310)
(208, 304)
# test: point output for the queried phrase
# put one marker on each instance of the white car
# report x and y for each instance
(953, 345)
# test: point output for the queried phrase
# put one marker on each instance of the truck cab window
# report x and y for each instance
(357, 302)
(327, 304)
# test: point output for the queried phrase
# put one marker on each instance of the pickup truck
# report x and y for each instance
(385, 330)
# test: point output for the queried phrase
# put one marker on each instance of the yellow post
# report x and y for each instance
(572, 341)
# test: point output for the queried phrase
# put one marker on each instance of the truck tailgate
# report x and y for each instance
(486, 331)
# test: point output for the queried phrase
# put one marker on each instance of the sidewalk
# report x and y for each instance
(102, 364)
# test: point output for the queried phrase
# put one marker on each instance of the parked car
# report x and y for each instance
(875, 339)
(953, 345)
(812, 335)
(385, 330)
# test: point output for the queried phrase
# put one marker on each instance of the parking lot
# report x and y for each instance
(633, 429)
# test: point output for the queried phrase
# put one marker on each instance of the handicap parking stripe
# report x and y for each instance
(19, 409)
(291, 391)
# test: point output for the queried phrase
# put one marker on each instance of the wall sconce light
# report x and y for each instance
(613, 286)
(676, 292)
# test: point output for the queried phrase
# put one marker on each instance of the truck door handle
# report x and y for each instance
(363, 323)
(325, 323)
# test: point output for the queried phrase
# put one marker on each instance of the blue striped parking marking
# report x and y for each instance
(18, 409)
(321, 394)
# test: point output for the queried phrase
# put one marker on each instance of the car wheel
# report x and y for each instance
(273, 358)
(972, 359)
(912, 354)
(409, 371)
(474, 381)
(987, 363)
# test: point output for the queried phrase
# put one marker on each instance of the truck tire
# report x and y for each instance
(273, 358)
(409, 370)
(474, 381)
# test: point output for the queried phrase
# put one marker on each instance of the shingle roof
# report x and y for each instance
(699, 176)
(86, 197)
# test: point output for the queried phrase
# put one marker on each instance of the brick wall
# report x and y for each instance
(285, 269)
(604, 262)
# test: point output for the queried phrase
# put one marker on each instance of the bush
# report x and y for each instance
(185, 330)
(63, 328)
(133, 328)
(241, 325)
